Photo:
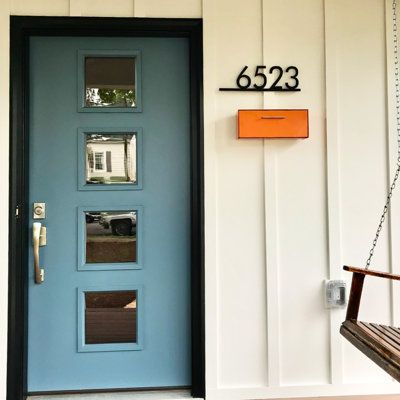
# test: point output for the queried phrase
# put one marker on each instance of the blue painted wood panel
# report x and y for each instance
(54, 362)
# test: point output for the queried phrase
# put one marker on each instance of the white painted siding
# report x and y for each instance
(240, 226)
(300, 193)
(283, 215)
(360, 71)
(117, 160)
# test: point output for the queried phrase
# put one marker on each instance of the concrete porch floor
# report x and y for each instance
(145, 395)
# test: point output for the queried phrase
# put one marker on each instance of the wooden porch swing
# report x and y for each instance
(380, 343)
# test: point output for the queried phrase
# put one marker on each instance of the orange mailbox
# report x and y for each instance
(255, 124)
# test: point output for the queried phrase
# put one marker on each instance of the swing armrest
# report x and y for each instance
(378, 274)
(357, 287)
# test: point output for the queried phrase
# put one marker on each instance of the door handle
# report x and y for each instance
(39, 239)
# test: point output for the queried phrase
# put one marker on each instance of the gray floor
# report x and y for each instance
(150, 395)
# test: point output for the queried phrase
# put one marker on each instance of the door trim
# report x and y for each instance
(21, 29)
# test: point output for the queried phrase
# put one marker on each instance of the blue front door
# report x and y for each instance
(109, 300)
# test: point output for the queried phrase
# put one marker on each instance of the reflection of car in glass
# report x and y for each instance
(121, 224)
(92, 217)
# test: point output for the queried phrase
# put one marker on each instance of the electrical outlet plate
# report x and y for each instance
(335, 294)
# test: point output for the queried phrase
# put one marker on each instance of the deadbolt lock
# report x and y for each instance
(39, 210)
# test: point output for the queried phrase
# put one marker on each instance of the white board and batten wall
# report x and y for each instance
(283, 215)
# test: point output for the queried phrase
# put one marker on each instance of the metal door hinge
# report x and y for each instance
(17, 212)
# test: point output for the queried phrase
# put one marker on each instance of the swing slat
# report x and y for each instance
(374, 345)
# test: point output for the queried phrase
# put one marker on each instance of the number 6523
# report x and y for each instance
(261, 81)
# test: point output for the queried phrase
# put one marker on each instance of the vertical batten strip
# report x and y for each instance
(75, 8)
(394, 226)
(333, 186)
(210, 192)
(271, 235)
(272, 262)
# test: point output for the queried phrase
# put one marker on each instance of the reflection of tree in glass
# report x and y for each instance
(110, 97)
(117, 96)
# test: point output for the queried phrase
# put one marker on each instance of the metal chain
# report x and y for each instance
(397, 172)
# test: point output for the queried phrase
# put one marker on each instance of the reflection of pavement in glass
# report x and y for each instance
(110, 239)
(103, 250)
(103, 246)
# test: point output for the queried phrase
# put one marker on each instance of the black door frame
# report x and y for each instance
(22, 28)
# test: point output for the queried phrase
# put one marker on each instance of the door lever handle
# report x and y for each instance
(39, 239)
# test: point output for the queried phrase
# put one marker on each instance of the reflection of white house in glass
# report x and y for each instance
(111, 158)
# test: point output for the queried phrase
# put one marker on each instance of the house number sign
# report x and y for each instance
(274, 79)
